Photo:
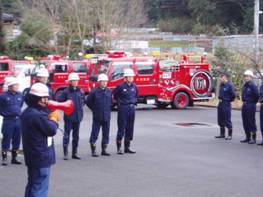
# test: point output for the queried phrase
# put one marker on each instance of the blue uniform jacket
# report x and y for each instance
(77, 96)
(250, 92)
(39, 151)
(11, 104)
(126, 94)
(261, 94)
(227, 92)
(100, 103)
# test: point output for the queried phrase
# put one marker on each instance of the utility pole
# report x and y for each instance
(257, 13)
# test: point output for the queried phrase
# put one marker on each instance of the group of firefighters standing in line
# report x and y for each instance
(250, 97)
(38, 124)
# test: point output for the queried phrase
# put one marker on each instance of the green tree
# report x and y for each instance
(234, 15)
(34, 39)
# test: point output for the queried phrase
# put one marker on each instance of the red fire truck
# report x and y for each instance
(59, 71)
(60, 68)
(50, 58)
(21, 69)
(163, 82)
(160, 82)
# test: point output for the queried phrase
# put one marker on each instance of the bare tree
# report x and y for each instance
(115, 15)
(83, 19)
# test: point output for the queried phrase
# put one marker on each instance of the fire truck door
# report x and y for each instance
(146, 78)
(4, 71)
(82, 69)
(59, 73)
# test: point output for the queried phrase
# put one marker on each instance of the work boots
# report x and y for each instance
(103, 150)
(230, 132)
(247, 139)
(127, 148)
(4, 158)
(119, 151)
(93, 150)
(14, 158)
(65, 150)
(222, 133)
(253, 138)
(261, 143)
(75, 153)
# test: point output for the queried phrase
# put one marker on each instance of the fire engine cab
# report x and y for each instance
(60, 68)
(59, 71)
(163, 82)
(21, 69)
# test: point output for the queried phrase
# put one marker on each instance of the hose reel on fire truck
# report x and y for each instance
(201, 84)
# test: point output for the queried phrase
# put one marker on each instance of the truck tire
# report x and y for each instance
(181, 100)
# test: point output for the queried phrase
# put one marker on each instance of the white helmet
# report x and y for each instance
(73, 77)
(103, 77)
(129, 72)
(249, 73)
(42, 72)
(40, 90)
(11, 81)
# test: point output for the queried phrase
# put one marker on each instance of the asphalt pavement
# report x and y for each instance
(177, 156)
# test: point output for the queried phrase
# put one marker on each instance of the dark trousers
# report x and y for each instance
(96, 125)
(224, 114)
(38, 181)
(261, 119)
(126, 117)
(68, 127)
(248, 117)
(11, 130)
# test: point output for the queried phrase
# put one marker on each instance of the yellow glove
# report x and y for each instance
(54, 116)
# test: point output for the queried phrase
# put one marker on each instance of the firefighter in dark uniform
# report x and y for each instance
(126, 96)
(261, 113)
(100, 102)
(226, 96)
(38, 128)
(72, 122)
(250, 98)
(11, 103)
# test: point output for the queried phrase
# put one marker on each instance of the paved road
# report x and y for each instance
(172, 161)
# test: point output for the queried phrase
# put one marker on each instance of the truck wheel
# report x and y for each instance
(181, 100)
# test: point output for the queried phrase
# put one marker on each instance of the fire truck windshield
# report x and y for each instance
(3, 66)
(80, 67)
(118, 68)
(145, 68)
(104, 67)
(59, 67)
(23, 69)
(168, 65)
